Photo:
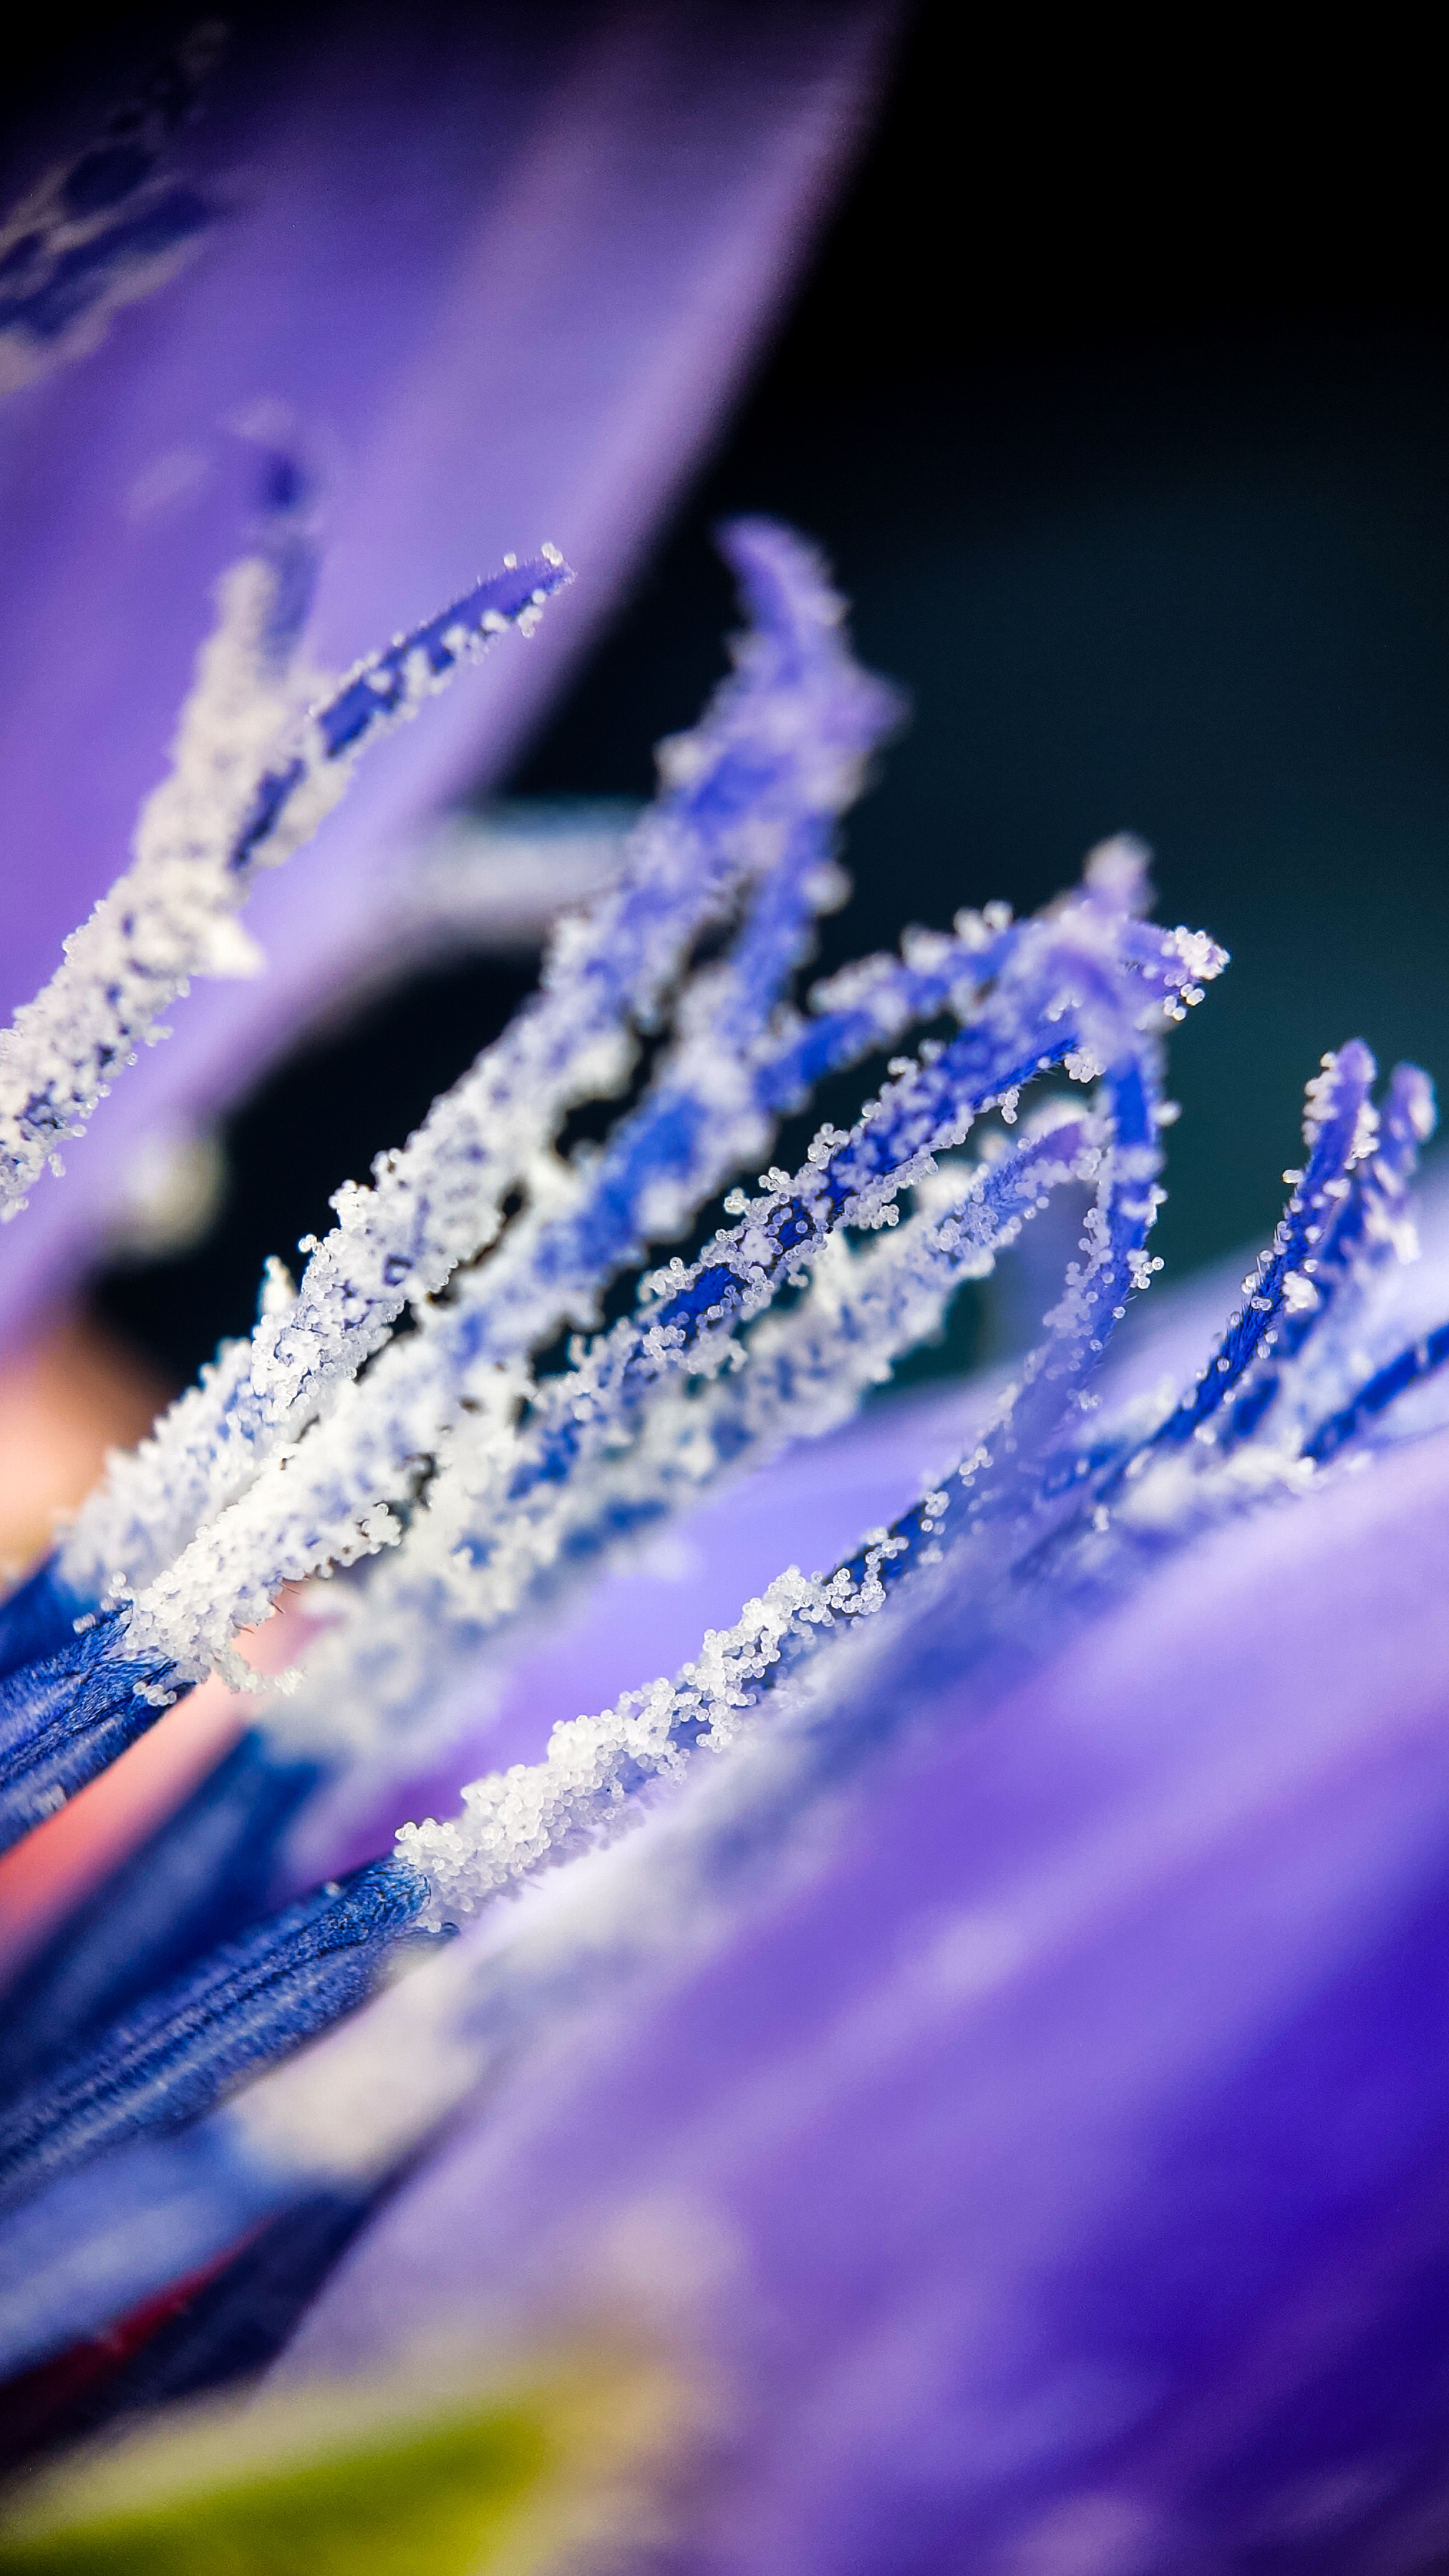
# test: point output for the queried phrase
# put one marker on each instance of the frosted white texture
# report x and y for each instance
(480, 1554)
(173, 914)
(437, 1201)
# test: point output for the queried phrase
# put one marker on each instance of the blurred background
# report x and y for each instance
(1116, 392)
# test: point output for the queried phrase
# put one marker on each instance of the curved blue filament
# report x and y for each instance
(1409, 1368)
(926, 1112)
(1376, 1186)
(196, 1883)
(65, 1718)
(1309, 1206)
(754, 759)
(1359, 1205)
(370, 698)
(153, 2008)
(282, 1980)
(37, 1619)
(171, 2057)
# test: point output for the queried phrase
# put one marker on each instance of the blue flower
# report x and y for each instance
(967, 2023)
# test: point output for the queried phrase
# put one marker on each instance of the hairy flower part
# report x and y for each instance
(257, 767)
(774, 761)
(395, 1655)
(1341, 1131)
(1055, 995)
(596, 1766)
(779, 754)
(1293, 1378)
(536, 1815)
(1371, 1236)
(173, 914)
(511, 1826)
(1088, 985)
(107, 228)
(857, 1945)
(382, 1688)
(745, 804)
(510, 2011)
(75, 2111)
(481, 1558)
(802, 1374)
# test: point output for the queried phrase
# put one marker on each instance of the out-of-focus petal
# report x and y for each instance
(1057, 2173)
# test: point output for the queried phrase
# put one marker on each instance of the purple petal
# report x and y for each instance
(1056, 2176)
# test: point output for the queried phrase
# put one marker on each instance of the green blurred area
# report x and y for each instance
(452, 2472)
(427, 2503)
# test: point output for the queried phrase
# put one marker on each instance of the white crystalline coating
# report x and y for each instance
(292, 1468)
(341, 1482)
(474, 1559)
(794, 721)
(334, 1495)
(476, 1482)
(331, 1497)
(539, 1813)
(1353, 1284)
(172, 914)
(1331, 1316)
(585, 1790)
(529, 1966)
(347, 2109)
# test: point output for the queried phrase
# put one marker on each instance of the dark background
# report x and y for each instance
(1118, 396)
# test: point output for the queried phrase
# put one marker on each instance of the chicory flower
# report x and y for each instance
(963, 2032)
(881, 2081)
